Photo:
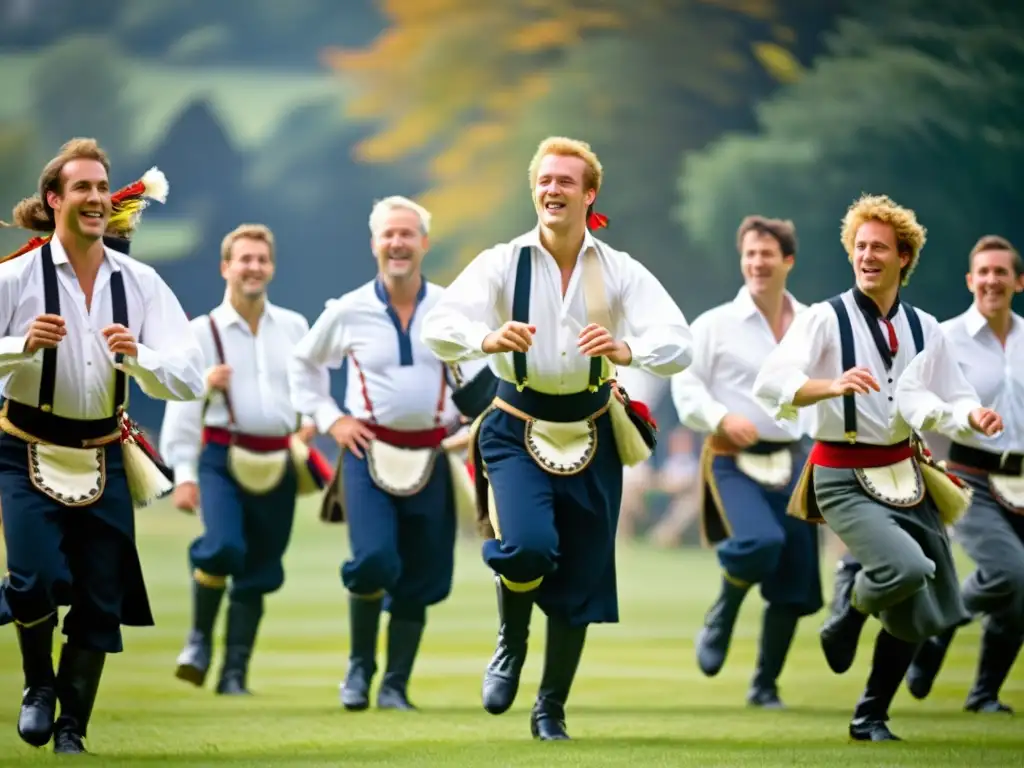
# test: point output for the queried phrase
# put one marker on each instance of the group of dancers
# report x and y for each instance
(515, 365)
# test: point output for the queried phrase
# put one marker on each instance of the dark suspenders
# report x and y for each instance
(848, 354)
(521, 314)
(51, 303)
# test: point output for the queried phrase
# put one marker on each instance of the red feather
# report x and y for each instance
(597, 220)
(471, 470)
(643, 411)
(132, 190)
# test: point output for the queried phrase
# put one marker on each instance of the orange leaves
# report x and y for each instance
(479, 83)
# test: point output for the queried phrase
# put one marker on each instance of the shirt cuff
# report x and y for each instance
(186, 473)
(326, 415)
(961, 415)
(713, 415)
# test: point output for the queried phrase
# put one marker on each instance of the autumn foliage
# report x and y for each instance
(469, 87)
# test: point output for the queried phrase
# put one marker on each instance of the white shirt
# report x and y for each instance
(479, 301)
(258, 386)
(731, 342)
(169, 363)
(391, 373)
(997, 375)
(936, 397)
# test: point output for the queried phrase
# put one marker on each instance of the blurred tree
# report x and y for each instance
(253, 32)
(928, 108)
(470, 88)
(79, 86)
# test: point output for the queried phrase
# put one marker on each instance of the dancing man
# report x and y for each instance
(78, 318)
(556, 309)
(750, 463)
(396, 482)
(866, 476)
(988, 340)
(231, 455)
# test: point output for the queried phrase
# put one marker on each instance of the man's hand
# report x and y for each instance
(186, 497)
(219, 377)
(511, 337)
(596, 341)
(306, 433)
(45, 332)
(856, 381)
(120, 340)
(986, 421)
(738, 430)
(351, 434)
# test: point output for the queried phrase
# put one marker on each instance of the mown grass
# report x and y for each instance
(639, 698)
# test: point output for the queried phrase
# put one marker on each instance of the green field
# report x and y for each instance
(639, 698)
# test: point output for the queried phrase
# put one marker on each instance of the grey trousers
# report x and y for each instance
(993, 537)
(908, 578)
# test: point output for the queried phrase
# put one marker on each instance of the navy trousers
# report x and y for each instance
(557, 528)
(767, 546)
(245, 536)
(403, 545)
(82, 557)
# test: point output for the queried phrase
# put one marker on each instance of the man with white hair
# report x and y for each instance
(395, 484)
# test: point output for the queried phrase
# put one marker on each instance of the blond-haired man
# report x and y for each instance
(230, 454)
(877, 370)
(556, 310)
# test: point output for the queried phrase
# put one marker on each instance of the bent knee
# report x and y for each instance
(913, 573)
(226, 560)
(373, 571)
(753, 560)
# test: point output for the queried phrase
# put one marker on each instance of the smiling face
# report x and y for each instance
(876, 260)
(993, 281)
(560, 193)
(82, 207)
(399, 244)
(763, 266)
(248, 268)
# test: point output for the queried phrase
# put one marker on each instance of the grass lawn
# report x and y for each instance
(639, 699)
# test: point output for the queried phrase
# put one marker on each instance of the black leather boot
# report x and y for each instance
(240, 638)
(501, 680)
(846, 570)
(888, 666)
(403, 643)
(714, 638)
(998, 653)
(841, 631)
(194, 660)
(927, 663)
(777, 630)
(562, 654)
(39, 700)
(78, 680)
(364, 625)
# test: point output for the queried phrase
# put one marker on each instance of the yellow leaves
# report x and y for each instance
(480, 81)
(778, 62)
(560, 32)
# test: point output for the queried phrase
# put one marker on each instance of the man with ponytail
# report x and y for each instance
(77, 318)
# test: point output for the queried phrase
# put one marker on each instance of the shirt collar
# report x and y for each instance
(532, 238)
(224, 314)
(869, 308)
(381, 290)
(60, 256)
(744, 303)
(975, 322)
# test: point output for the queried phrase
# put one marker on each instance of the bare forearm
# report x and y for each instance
(813, 391)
